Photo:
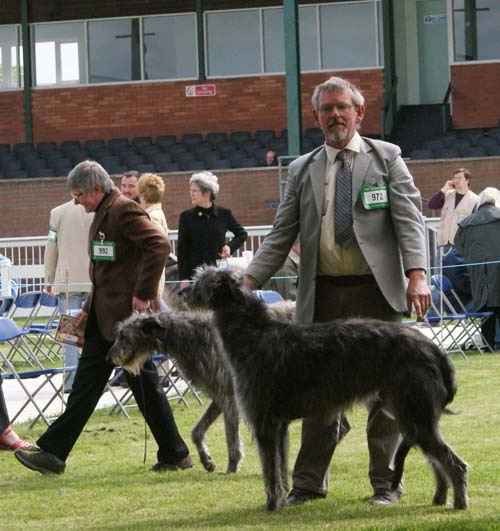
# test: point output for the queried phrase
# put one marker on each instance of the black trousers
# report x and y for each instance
(4, 415)
(91, 377)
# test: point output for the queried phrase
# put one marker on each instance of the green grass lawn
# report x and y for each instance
(107, 486)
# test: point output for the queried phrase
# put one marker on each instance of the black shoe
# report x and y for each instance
(40, 461)
(183, 464)
(299, 496)
(383, 497)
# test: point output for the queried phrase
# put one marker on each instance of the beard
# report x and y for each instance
(336, 134)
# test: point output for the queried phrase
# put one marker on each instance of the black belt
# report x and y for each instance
(348, 280)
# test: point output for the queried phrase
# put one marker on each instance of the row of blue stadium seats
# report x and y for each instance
(193, 152)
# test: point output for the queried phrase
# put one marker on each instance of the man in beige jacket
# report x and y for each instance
(67, 266)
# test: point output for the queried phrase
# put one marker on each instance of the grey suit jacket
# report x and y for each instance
(392, 239)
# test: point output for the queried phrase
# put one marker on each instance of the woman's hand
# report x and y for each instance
(226, 252)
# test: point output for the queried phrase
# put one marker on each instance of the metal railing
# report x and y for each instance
(26, 254)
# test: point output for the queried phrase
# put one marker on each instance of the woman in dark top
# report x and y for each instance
(202, 229)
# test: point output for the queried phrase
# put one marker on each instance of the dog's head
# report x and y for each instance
(213, 288)
(133, 342)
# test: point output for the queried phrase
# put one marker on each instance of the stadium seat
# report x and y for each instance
(473, 151)
(145, 168)
(239, 137)
(116, 144)
(4, 148)
(183, 156)
(140, 141)
(193, 165)
(215, 138)
(41, 172)
(44, 147)
(248, 162)
(22, 146)
(70, 145)
(218, 164)
(264, 136)
(191, 138)
(166, 140)
(421, 154)
(92, 145)
(15, 174)
(166, 167)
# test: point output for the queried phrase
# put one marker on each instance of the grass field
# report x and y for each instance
(107, 486)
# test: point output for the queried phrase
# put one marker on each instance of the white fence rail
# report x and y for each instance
(26, 254)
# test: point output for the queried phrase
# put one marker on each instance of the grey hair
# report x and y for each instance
(207, 182)
(87, 174)
(490, 196)
(337, 84)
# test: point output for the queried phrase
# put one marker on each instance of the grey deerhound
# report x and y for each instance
(287, 371)
(194, 343)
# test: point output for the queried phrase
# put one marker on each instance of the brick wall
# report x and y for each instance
(251, 194)
(152, 109)
(11, 117)
(475, 95)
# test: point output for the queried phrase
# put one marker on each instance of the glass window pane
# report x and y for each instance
(342, 47)
(488, 29)
(170, 49)
(233, 43)
(45, 53)
(274, 47)
(459, 30)
(59, 53)
(9, 74)
(113, 47)
(308, 29)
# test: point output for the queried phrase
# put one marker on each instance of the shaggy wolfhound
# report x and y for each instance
(286, 371)
(194, 343)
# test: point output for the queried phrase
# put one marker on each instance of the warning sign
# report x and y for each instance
(200, 90)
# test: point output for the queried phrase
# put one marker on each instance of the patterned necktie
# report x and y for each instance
(342, 214)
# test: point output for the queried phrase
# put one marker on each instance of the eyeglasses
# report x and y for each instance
(340, 107)
(195, 191)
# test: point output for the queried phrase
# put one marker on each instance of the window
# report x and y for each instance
(114, 50)
(341, 47)
(11, 56)
(233, 43)
(326, 38)
(274, 48)
(476, 26)
(59, 53)
(170, 49)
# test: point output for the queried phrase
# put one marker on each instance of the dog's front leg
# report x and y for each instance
(234, 445)
(269, 441)
(198, 435)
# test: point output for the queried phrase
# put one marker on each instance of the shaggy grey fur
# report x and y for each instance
(287, 371)
(194, 344)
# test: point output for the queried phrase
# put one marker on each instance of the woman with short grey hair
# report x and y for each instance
(202, 229)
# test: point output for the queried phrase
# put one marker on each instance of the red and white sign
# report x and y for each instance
(200, 90)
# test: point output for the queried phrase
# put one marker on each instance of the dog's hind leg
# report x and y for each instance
(442, 483)
(269, 438)
(441, 455)
(234, 445)
(198, 435)
(399, 462)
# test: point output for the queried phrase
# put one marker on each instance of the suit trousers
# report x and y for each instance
(91, 376)
(311, 471)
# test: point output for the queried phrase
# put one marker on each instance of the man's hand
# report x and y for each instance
(250, 282)
(225, 252)
(140, 306)
(418, 294)
(49, 289)
(448, 185)
(80, 326)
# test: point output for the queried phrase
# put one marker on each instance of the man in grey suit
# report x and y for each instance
(362, 238)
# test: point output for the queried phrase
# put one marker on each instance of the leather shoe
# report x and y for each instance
(183, 464)
(383, 497)
(40, 461)
(299, 496)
